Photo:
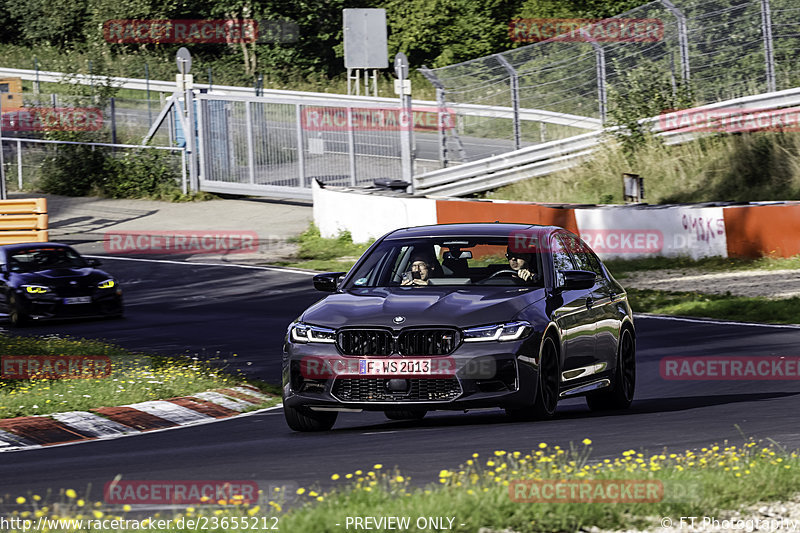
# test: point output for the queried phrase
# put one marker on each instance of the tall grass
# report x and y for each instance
(736, 167)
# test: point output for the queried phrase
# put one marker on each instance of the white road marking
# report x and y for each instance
(169, 411)
(92, 424)
(713, 321)
(171, 262)
(20, 448)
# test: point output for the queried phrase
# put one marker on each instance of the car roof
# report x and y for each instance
(31, 245)
(480, 229)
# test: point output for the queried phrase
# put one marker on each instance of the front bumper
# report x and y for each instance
(485, 374)
(103, 302)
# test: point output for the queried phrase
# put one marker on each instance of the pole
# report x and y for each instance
(147, 91)
(769, 56)
(514, 86)
(3, 193)
(683, 39)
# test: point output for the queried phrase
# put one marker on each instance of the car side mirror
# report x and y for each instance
(327, 282)
(571, 280)
(94, 262)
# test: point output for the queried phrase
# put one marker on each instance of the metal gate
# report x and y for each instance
(276, 146)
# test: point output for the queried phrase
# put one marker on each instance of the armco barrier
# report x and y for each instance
(624, 232)
(759, 230)
(23, 220)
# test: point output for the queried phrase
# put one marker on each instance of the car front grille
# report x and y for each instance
(365, 342)
(377, 390)
(428, 342)
(440, 341)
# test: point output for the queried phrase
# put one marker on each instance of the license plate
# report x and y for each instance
(404, 367)
(78, 300)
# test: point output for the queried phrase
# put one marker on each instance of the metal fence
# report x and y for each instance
(720, 49)
(275, 146)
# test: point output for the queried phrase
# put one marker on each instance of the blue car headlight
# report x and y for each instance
(36, 289)
(510, 331)
(300, 332)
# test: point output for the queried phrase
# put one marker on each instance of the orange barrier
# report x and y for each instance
(23, 220)
(761, 230)
(449, 211)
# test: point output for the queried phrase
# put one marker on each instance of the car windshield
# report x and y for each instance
(447, 261)
(33, 259)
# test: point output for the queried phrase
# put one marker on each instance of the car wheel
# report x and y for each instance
(620, 395)
(308, 420)
(544, 405)
(406, 414)
(16, 316)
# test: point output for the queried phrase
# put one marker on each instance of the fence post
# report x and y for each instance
(147, 92)
(514, 85)
(351, 146)
(190, 133)
(3, 194)
(250, 156)
(600, 65)
(19, 164)
(769, 56)
(683, 38)
(301, 151)
(113, 120)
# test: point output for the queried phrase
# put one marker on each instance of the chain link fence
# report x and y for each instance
(717, 49)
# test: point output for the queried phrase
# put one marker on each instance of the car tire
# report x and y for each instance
(546, 400)
(406, 414)
(16, 317)
(308, 420)
(620, 395)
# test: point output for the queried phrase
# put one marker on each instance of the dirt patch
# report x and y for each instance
(768, 283)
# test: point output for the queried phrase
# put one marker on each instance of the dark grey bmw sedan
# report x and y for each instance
(462, 316)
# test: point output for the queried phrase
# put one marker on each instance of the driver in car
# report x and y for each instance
(521, 263)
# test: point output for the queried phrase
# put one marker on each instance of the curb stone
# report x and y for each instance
(28, 432)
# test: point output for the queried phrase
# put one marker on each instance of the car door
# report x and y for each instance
(4, 290)
(574, 317)
(607, 319)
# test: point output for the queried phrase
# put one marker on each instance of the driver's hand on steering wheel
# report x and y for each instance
(524, 274)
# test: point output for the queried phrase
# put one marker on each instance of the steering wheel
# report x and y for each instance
(507, 271)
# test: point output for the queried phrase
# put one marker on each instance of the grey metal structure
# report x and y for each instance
(272, 146)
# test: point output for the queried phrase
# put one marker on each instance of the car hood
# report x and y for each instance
(455, 306)
(59, 277)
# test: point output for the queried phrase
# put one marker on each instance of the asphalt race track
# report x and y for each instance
(219, 311)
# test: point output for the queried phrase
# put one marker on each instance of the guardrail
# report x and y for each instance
(23, 220)
(552, 156)
(300, 97)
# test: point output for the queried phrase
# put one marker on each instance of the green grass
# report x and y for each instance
(620, 267)
(133, 378)
(325, 254)
(706, 482)
(742, 167)
(719, 306)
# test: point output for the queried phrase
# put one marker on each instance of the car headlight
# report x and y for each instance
(304, 333)
(509, 331)
(36, 289)
(107, 284)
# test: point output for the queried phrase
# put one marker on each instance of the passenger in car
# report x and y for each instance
(422, 269)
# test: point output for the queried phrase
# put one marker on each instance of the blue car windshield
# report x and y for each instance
(35, 259)
(448, 261)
